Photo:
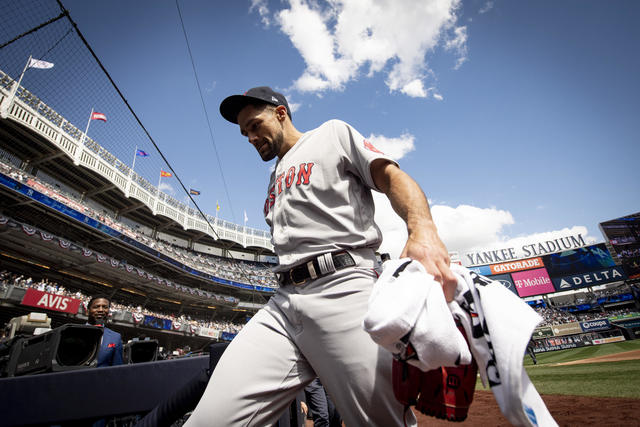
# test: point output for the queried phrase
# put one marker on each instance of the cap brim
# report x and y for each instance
(232, 105)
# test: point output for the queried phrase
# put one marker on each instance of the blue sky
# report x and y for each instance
(519, 119)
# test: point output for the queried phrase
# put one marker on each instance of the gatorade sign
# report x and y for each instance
(47, 301)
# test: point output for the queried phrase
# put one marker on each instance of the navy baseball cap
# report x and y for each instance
(231, 106)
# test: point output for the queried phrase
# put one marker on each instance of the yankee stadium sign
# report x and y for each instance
(526, 251)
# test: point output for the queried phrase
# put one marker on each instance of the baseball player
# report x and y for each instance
(320, 209)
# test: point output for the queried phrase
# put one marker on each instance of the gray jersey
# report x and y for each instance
(319, 197)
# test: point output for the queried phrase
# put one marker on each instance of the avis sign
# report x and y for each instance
(47, 301)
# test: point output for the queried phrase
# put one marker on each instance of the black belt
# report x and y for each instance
(315, 268)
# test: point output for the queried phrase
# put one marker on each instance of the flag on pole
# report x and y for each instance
(217, 206)
(98, 116)
(39, 63)
(165, 174)
(194, 192)
(142, 153)
(245, 217)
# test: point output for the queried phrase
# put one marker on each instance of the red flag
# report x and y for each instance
(98, 116)
(165, 174)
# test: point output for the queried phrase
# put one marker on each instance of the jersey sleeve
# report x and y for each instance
(358, 151)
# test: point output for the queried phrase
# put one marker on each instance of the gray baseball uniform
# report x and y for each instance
(319, 201)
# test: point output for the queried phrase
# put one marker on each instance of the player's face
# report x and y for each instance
(99, 311)
(263, 130)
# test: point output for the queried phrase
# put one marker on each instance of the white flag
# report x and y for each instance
(245, 217)
(39, 63)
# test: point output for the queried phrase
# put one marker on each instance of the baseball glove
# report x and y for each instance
(446, 392)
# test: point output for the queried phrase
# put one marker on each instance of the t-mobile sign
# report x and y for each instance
(532, 282)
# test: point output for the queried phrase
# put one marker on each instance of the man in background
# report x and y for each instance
(110, 353)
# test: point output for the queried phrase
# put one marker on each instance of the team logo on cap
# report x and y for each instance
(274, 99)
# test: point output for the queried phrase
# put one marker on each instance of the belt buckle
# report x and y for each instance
(293, 281)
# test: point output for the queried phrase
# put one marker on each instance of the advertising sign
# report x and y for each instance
(227, 336)
(595, 325)
(157, 322)
(623, 235)
(542, 332)
(506, 281)
(35, 298)
(483, 270)
(625, 316)
(508, 267)
(598, 277)
(532, 282)
(567, 329)
(578, 261)
(208, 332)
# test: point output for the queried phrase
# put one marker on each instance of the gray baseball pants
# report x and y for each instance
(315, 328)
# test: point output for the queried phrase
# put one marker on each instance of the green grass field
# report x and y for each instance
(606, 379)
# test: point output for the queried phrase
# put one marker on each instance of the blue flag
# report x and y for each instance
(142, 153)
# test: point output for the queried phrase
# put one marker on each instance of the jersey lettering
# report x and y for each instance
(304, 172)
(291, 173)
(303, 177)
(279, 182)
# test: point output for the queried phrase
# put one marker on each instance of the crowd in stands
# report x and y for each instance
(8, 279)
(554, 316)
(248, 272)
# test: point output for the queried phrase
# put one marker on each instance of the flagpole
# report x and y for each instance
(87, 129)
(135, 154)
(5, 111)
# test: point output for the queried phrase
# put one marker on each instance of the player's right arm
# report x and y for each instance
(410, 203)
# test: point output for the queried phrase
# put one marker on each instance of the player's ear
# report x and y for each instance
(281, 112)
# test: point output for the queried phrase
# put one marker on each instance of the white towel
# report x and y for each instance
(499, 326)
(407, 303)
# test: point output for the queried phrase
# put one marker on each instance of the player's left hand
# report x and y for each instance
(427, 248)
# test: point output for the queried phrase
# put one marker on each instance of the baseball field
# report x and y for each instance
(596, 385)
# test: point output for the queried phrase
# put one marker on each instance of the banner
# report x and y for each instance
(595, 325)
(542, 332)
(227, 336)
(608, 340)
(532, 282)
(626, 316)
(482, 270)
(578, 261)
(209, 332)
(598, 277)
(567, 329)
(156, 322)
(40, 299)
(508, 267)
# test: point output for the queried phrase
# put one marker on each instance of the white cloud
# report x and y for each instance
(210, 87)
(467, 229)
(469, 226)
(293, 106)
(396, 148)
(263, 11)
(393, 228)
(167, 188)
(458, 44)
(341, 39)
(486, 7)
(438, 96)
(414, 89)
